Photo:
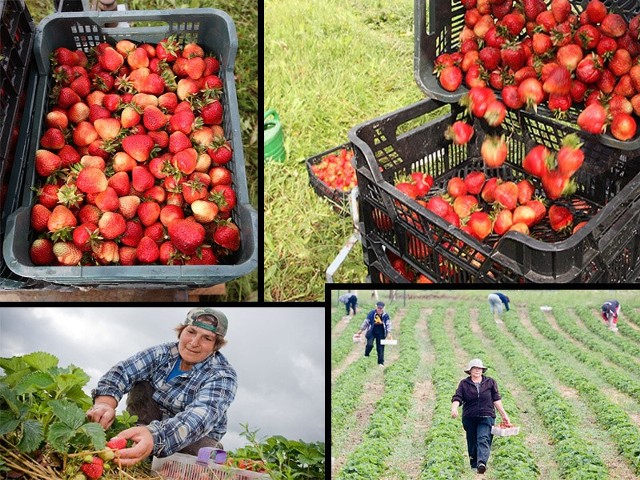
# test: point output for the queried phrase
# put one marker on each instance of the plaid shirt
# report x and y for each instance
(193, 404)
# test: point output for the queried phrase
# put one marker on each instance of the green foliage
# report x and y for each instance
(40, 401)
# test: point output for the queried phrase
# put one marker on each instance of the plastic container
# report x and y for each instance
(504, 432)
(446, 21)
(606, 249)
(187, 467)
(388, 342)
(215, 31)
(339, 199)
(273, 137)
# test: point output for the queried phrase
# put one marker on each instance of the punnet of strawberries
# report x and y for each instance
(133, 160)
(335, 170)
(533, 54)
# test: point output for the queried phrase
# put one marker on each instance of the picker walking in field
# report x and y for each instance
(479, 398)
(350, 302)
(610, 311)
(496, 302)
(377, 326)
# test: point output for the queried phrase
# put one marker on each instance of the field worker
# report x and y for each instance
(496, 302)
(350, 302)
(479, 398)
(610, 311)
(179, 390)
(377, 326)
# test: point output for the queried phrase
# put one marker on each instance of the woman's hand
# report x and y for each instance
(454, 412)
(143, 447)
(102, 413)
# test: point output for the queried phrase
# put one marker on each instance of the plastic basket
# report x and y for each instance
(504, 432)
(388, 342)
(215, 31)
(339, 199)
(446, 20)
(606, 249)
(186, 467)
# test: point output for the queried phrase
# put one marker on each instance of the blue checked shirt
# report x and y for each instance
(193, 405)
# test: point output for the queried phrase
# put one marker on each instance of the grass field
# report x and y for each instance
(565, 379)
(245, 17)
(329, 65)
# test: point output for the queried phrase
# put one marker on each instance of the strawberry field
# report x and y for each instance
(569, 383)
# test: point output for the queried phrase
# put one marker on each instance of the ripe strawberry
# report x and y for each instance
(560, 217)
(511, 98)
(589, 69)
(513, 56)
(138, 146)
(506, 194)
(524, 214)
(117, 443)
(40, 217)
(68, 155)
(110, 60)
(84, 134)
(153, 84)
(465, 205)
(133, 234)
(556, 185)
(64, 56)
(596, 11)
(494, 151)
(141, 178)
(525, 191)
(227, 236)
(41, 252)
(489, 57)
(91, 180)
(623, 126)
(560, 9)
(480, 225)
(536, 161)
(169, 213)
(107, 201)
(107, 128)
(620, 63)
(112, 225)
(502, 222)
(81, 85)
(570, 156)
(474, 181)
(182, 121)
(439, 206)
(220, 152)
(194, 67)
(186, 87)
(67, 97)
(186, 235)
(178, 141)
(128, 205)
(593, 119)
(57, 119)
(138, 58)
(104, 253)
(495, 113)
(541, 43)
(68, 254)
(168, 49)
(558, 81)
(455, 187)
(52, 139)
(185, 161)
(147, 250)
(212, 113)
(613, 25)
(539, 208)
(85, 235)
(153, 118)
(460, 132)
(224, 196)
(587, 36)
(531, 93)
(450, 78)
(422, 181)
(148, 212)
(204, 211)
(47, 163)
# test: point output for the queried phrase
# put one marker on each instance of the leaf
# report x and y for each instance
(9, 397)
(33, 382)
(32, 437)
(59, 436)
(12, 364)
(96, 434)
(41, 360)
(8, 422)
(68, 413)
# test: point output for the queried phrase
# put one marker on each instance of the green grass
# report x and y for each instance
(329, 65)
(245, 17)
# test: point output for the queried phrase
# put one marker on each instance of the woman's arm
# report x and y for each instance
(500, 408)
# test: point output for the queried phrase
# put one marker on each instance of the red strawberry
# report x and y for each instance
(64, 56)
(570, 156)
(620, 63)
(117, 443)
(450, 78)
(148, 212)
(480, 225)
(494, 151)
(40, 217)
(147, 250)
(112, 225)
(593, 119)
(227, 236)
(613, 25)
(47, 162)
(182, 121)
(506, 194)
(623, 126)
(558, 81)
(503, 222)
(133, 234)
(107, 201)
(456, 187)
(225, 197)
(422, 181)
(153, 84)
(495, 113)
(168, 49)
(409, 189)
(138, 146)
(53, 139)
(536, 160)
(531, 93)
(513, 56)
(185, 160)
(589, 69)
(465, 205)
(525, 191)
(460, 132)
(41, 252)
(212, 113)
(541, 43)
(539, 208)
(85, 235)
(186, 87)
(84, 134)
(169, 213)
(587, 36)
(68, 254)
(141, 178)
(67, 97)
(474, 181)
(178, 141)
(186, 235)
(596, 11)
(556, 185)
(560, 217)
(110, 60)
(153, 118)
(524, 214)
(91, 180)
(220, 153)
(560, 9)
(439, 206)
(511, 98)
(477, 100)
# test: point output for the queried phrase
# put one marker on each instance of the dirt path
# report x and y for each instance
(340, 326)
(408, 456)
(373, 390)
(618, 469)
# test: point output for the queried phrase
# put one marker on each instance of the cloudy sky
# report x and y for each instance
(278, 354)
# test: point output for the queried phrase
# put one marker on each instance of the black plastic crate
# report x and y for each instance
(339, 199)
(446, 21)
(606, 249)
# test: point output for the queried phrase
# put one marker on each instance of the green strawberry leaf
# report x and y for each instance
(8, 422)
(96, 434)
(41, 360)
(33, 382)
(32, 436)
(68, 413)
(13, 364)
(9, 398)
(59, 436)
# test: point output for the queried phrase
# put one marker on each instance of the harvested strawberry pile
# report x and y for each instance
(133, 160)
(335, 170)
(532, 55)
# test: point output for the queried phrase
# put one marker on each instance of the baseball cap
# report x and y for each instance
(380, 304)
(220, 324)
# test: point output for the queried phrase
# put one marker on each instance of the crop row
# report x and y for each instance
(621, 341)
(445, 453)
(608, 415)
(511, 457)
(368, 459)
(577, 458)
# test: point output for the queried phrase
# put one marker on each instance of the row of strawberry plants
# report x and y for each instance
(610, 416)
(445, 456)
(621, 341)
(577, 458)
(511, 457)
(622, 381)
(368, 459)
(632, 314)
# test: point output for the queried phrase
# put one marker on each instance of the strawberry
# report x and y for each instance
(558, 81)
(186, 87)
(212, 113)
(525, 191)
(570, 157)
(613, 25)
(185, 161)
(539, 208)
(40, 217)
(85, 235)
(133, 233)
(178, 141)
(465, 205)
(153, 84)
(105, 253)
(91, 180)
(227, 236)
(182, 121)
(511, 98)
(84, 134)
(587, 36)
(489, 57)
(52, 139)
(67, 97)
(494, 151)
(57, 119)
(480, 225)
(130, 116)
(536, 160)
(81, 85)
(153, 118)
(186, 235)
(110, 60)
(593, 119)
(437, 205)
(556, 185)
(47, 163)
(519, 227)
(111, 225)
(147, 250)
(506, 194)
(531, 93)
(455, 187)
(224, 196)
(169, 213)
(450, 78)
(502, 222)
(168, 49)
(117, 443)
(513, 56)
(623, 126)
(524, 214)
(495, 113)
(560, 9)
(107, 201)
(460, 132)
(194, 67)
(474, 181)
(596, 11)
(128, 205)
(477, 100)
(148, 212)
(204, 211)
(541, 43)
(207, 257)
(68, 254)
(137, 58)
(141, 178)
(41, 252)
(422, 181)
(560, 217)
(220, 152)
(514, 22)
(156, 232)
(191, 50)
(64, 56)
(620, 63)
(138, 146)
(107, 128)
(589, 69)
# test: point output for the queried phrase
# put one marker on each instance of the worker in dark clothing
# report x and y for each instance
(376, 326)
(610, 311)
(350, 301)
(496, 303)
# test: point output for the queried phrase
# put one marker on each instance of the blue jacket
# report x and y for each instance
(368, 323)
(504, 299)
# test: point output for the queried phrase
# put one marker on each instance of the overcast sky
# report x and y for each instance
(278, 354)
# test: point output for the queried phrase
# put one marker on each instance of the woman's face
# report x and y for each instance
(196, 344)
(476, 371)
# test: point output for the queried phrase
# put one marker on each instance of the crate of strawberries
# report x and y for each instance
(461, 195)
(571, 60)
(332, 176)
(135, 165)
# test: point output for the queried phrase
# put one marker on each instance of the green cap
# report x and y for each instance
(220, 327)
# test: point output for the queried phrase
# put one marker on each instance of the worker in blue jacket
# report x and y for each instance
(496, 303)
(376, 326)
